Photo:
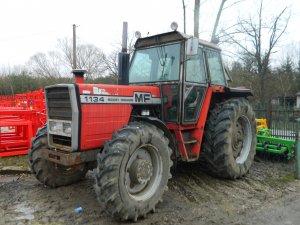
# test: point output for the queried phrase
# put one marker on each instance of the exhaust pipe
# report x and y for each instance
(79, 75)
(123, 59)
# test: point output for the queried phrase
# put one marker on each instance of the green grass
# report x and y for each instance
(287, 178)
(18, 161)
(281, 180)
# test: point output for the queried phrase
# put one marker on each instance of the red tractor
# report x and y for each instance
(173, 103)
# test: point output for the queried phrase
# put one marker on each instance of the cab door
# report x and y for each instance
(215, 67)
(194, 87)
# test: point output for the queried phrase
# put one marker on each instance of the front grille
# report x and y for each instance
(59, 104)
(62, 140)
(59, 108)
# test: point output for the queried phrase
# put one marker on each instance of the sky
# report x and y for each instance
(31, 26)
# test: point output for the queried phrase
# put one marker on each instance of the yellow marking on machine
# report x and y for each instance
(261, 124)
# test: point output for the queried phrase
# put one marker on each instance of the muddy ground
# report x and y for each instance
(268, 195)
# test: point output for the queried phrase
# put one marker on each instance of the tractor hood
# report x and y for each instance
(107, 108)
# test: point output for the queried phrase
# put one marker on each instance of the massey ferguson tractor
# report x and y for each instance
(172, 104)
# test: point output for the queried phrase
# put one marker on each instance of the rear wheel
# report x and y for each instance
(230, 138)
(133, 171)
(50, 173)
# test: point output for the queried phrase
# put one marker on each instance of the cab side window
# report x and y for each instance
(215, 68)
(195, 70)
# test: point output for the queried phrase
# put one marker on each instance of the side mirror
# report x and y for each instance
(192, 46)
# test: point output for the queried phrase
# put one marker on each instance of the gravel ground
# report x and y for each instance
(267, 195)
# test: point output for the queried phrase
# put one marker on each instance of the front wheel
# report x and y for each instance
(133, 171)
(230, 138)
(50, 173)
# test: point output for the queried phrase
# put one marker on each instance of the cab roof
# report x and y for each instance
(169, 38)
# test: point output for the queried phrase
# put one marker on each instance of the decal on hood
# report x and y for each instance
(137, 98)
(99, 91)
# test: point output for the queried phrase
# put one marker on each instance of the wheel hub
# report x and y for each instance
(141, 171)
(238, 137)
(241, 139)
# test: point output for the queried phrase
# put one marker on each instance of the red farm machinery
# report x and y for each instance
(21, 116)
(172, 104)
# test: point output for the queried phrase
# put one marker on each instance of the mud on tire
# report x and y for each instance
(133, 171)
(49, 173)
(230, 138)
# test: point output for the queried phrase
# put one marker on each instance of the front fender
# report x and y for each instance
(161, 125)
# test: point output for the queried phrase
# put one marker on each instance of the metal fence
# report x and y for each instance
(298, 154)
(282, 122)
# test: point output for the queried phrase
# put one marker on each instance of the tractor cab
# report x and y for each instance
(183, 67)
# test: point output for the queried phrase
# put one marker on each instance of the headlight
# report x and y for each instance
(145, 112)
(67, 128)
(58, 127)
(55, 126)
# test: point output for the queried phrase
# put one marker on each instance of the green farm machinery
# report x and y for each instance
(272, 145)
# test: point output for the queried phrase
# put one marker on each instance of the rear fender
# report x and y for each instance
(237, 92)
(222, 93)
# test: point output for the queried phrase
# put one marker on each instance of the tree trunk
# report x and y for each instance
(262, 90)
(213, 36)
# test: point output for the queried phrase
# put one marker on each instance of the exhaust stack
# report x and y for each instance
(79, 75)
(123, 59)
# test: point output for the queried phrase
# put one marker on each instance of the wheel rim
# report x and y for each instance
(242, 138)
(143, 173)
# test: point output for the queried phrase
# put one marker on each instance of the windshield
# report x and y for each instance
(155, 64)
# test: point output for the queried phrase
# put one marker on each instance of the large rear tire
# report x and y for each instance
(50, 173)
(230, 138)
(133, 171)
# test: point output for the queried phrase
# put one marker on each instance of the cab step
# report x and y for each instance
(190, 141)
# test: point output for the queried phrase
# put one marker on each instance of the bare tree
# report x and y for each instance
(46, 65)
(257, 38)
(89, 57)
(213, 36)
(111, 60)
(64, 47)
(60, 62)
(111, 65)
